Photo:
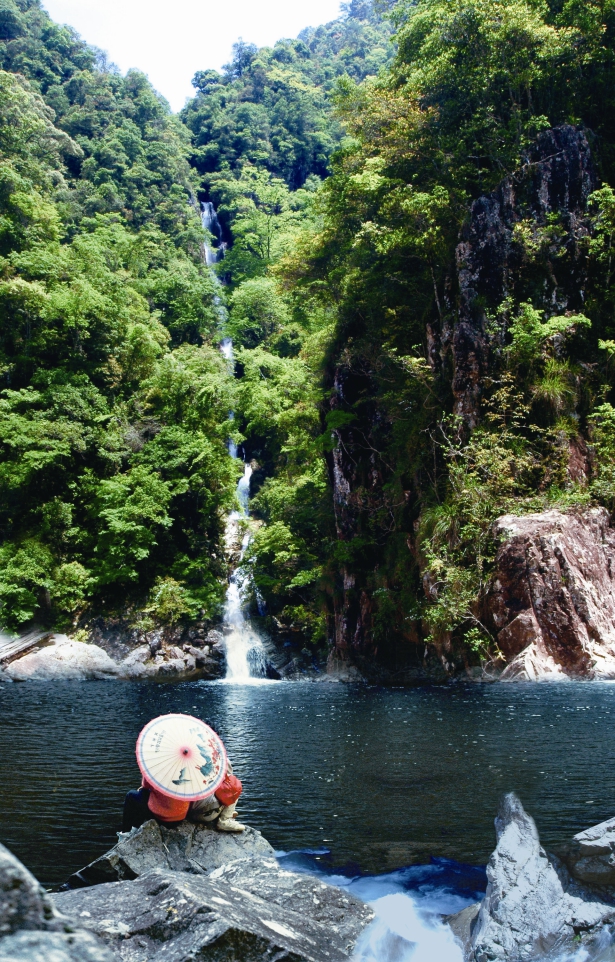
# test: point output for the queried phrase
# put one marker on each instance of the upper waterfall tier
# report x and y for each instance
(209, 220)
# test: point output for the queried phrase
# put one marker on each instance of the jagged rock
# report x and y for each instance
(590, 856)
(23, 902)
(462, 925)
(31, 930)
(250, 911)
(531, 907)
(552, 597)
(63, 659)
(186, 848)
(54, 947)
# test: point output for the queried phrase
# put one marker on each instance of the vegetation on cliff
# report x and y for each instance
(419, 223)
(114, 474)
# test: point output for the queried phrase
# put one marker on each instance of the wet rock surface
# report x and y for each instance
(191, 848)
(551, 601)
(590, 856)
(252, 911)
(31, 930)
(532, 908)
(192, 893)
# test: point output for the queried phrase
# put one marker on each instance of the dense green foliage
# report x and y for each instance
(271, 108)
(114, 472)
(343, 165)
(473, 84)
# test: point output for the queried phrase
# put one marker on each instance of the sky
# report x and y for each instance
(170, 40)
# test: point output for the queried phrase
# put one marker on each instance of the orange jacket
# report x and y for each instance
(164, 808)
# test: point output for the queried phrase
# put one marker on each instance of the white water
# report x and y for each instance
(245, 653)
(408, 926)
(210, 222)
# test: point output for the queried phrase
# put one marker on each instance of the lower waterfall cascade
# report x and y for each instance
(245, 652)
(244, 649)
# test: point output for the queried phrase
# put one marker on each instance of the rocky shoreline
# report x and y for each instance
(159, 655)
(549, 609)
(190, 892)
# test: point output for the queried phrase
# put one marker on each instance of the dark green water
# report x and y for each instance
(382, 778)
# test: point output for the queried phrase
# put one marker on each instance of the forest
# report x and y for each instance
(395, 393)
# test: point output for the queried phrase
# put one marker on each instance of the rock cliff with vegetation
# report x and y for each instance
(416, 206)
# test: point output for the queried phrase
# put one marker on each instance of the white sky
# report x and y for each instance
(170, 40)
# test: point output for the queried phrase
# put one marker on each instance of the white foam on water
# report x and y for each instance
(408, 926)
(401, 933)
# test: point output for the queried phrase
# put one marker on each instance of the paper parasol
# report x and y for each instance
(182, 757)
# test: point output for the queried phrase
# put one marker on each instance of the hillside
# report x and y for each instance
(114, 468)
(418, 221)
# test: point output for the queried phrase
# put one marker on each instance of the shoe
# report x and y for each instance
(227, 823)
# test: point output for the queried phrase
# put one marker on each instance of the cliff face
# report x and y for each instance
(525, 241)
(551, 601)
(556, 179)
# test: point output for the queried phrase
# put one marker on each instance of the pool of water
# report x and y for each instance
(373, 779)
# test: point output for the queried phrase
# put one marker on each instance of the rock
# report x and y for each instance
(138, 664)
(252, 910)
(23, 902)
(31, 930)
(590, 857)
(557, 176)
(187, 848)
(531, 907)
(462, 925)
(54, 947)
(552, 598)
(63, 659)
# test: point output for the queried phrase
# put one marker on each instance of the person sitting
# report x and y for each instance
(148, 802)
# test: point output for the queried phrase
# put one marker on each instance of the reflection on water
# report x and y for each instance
(381, 778)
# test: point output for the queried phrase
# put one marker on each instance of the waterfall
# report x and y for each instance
(210, 222)
(245, 653)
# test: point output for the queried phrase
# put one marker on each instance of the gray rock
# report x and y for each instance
(31, 930)
(463, 924)
(63, 659)
(197, 849)
(23, 902)
(253, 911)
(54, 947)
(531, 907)
(590, 856)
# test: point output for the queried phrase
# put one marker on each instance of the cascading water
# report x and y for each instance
(245, 653)
(210, 222)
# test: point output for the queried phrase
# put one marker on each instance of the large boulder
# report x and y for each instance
(23, 902)
(552, 598)
(250, 910)
(193, 892)
(532, 908)
(31, 930)
(54, 947)
(196, 849)
(590, 856)
(63, 659)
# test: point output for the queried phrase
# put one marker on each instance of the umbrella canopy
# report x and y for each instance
(182, 757)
